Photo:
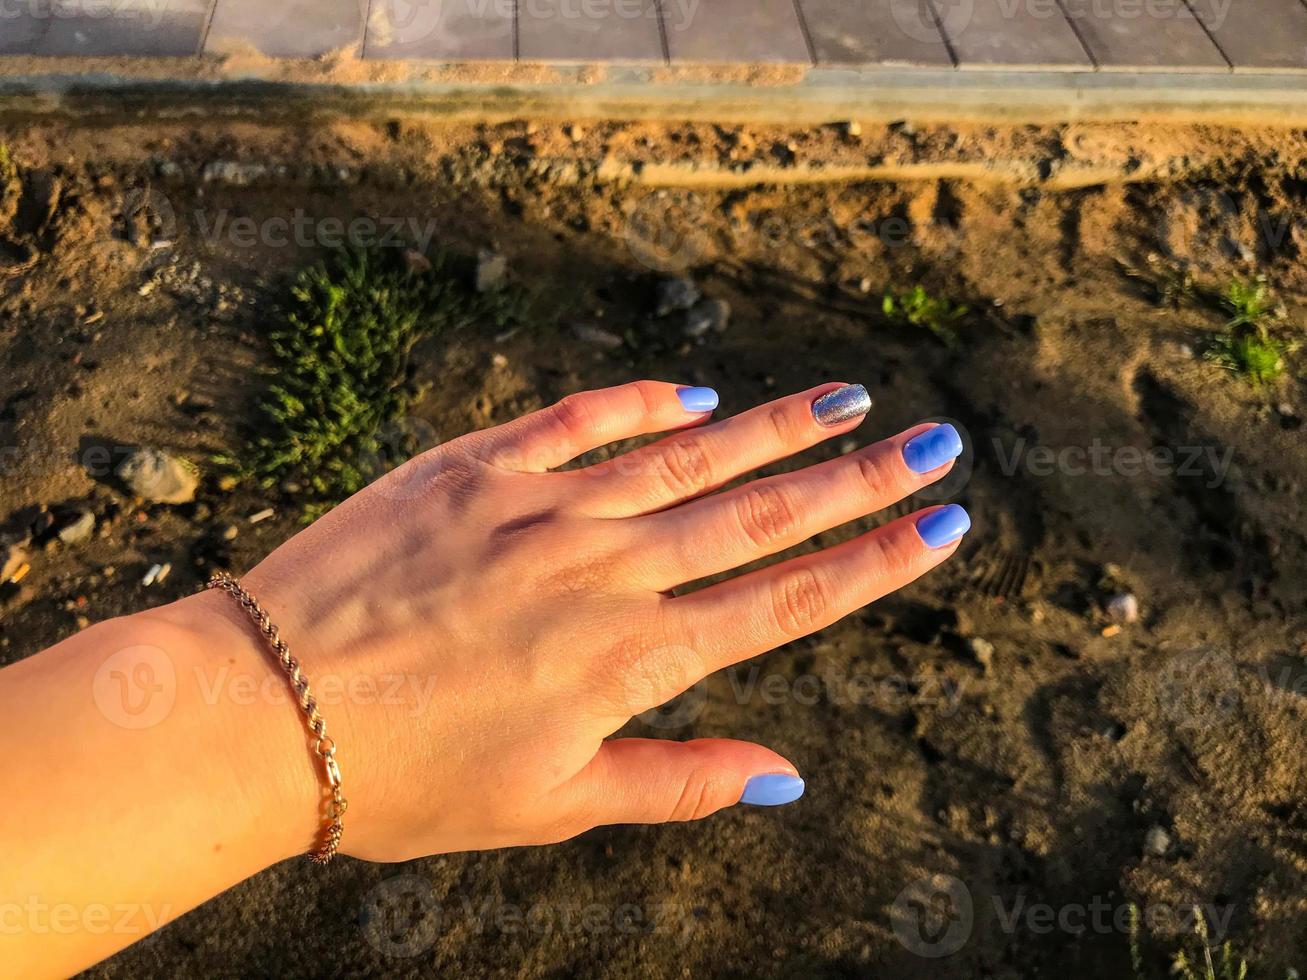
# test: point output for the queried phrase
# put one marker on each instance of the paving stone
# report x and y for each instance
(287, 28)
(1124, 34)
(734, 30)
(107, 28)
(441, 30)
(885, 32)
(571, 30)
(1257, 33)
(1011, 33)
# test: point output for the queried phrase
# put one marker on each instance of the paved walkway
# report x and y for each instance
(1170, 36)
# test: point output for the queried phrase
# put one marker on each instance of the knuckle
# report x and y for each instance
(684, 467)
(642, 673)
(875, 477)
(766, 516)
(780, 423)
(799, 601)
(651, 395)
(889, 556)
(575, 414)
(696, 799)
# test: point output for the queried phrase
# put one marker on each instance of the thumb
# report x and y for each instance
(651, 780)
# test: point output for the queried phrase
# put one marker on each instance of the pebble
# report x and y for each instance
(492, 271)
(499, 360)
(982, 650)
(597, 336)
(159, 477)
(1157, 841)
(709, 314)
(78, 529)
(229, 532)
(156, 574)
(1123, 608)
(853, 128)
(676, 294)
(233, 173)
(15, 557)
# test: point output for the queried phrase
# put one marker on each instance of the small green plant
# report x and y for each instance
(1226, 966)
(342, 366)
(1211, 963)
(1246, 345)
(918, 308)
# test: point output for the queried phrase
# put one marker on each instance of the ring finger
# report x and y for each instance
(766, 516)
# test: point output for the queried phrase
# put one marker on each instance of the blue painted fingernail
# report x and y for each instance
(932, 449)
(943, 526)
(772, 789)
(841, 405)
(697, 399)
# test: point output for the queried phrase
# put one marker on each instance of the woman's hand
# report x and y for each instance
(489, 620)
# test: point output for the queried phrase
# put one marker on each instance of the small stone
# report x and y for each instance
(676, 294)
(78, 529)
(492, 271)
(159, 477)
(233, 173)
(709, 314)
(83, 622)
(14, 558)
(1157, 842)
(229, 532)
(982, 650)
(1123, 608)
(853, 129)
(597, 335)
(499, 360)
(574, 132)
(228, 482)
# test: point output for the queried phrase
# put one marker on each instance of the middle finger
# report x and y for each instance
(766, 516)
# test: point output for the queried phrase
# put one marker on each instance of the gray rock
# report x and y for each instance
(676, 294)
(492, 271)
(1123, 608)
(597, 336)
(78, 529)
(1157, 842)
(708, 315)
(159, 477)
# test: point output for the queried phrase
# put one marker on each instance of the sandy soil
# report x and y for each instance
(986, 752)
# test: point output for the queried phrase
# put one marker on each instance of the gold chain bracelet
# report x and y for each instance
(324, 747)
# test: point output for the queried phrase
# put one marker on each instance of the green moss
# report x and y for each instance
(342, 363)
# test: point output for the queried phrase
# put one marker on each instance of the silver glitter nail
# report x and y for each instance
(841, 405)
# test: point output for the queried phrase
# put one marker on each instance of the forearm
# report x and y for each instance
(146, 767)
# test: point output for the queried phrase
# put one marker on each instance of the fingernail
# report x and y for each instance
(943, 526)
(772, 789)
(841, 405)
(932, 449)
(697, 399)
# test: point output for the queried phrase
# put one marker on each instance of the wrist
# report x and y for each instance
(247, 723)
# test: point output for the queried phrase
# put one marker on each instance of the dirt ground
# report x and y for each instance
(996, 770)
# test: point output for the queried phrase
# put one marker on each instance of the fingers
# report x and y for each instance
(761, 518)
(587, 420)
(753, 613)
(645, 780)
(689, 464)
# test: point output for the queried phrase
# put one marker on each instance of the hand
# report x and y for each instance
(518, 615)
